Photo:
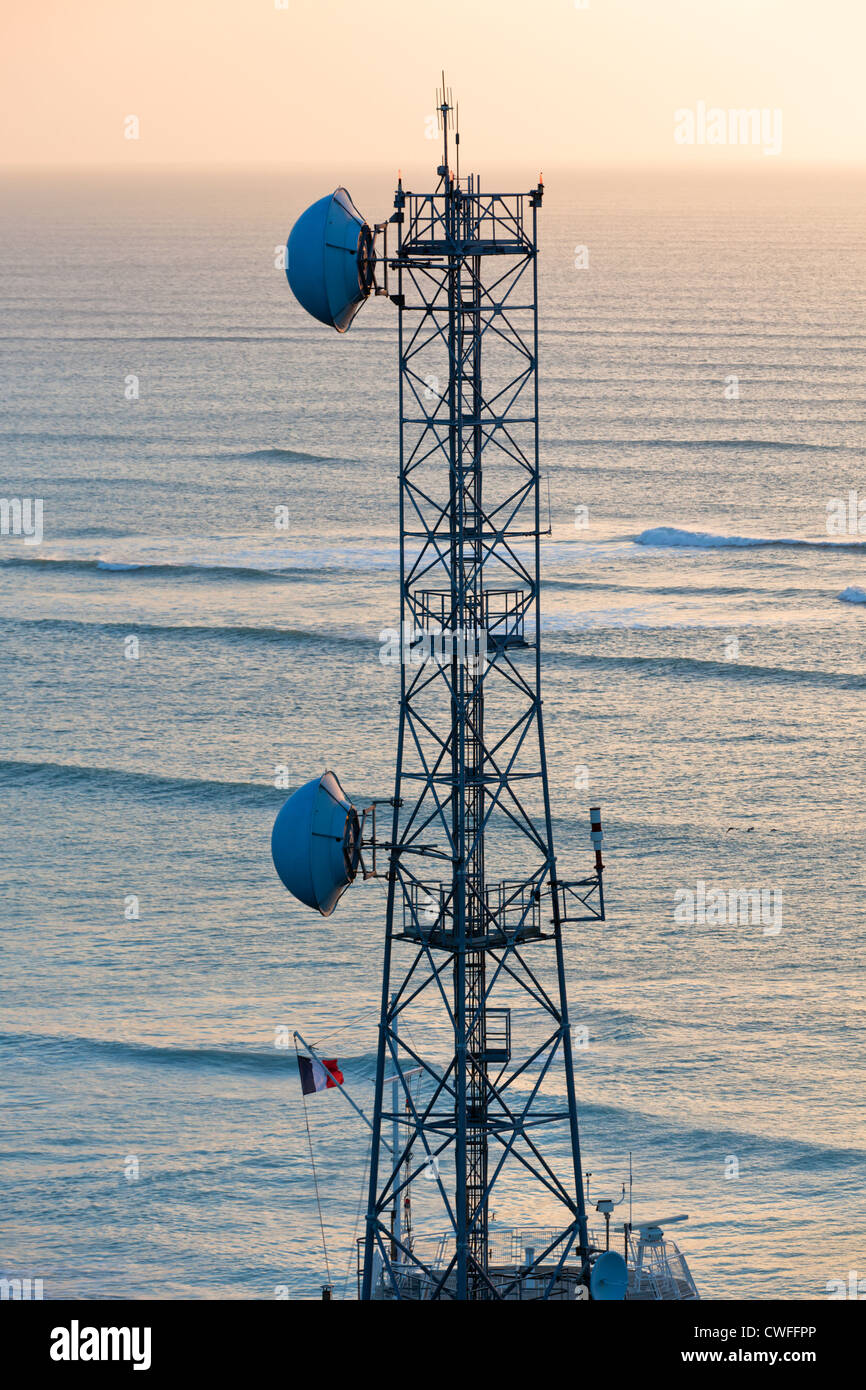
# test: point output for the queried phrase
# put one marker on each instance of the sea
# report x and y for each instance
(193, 631)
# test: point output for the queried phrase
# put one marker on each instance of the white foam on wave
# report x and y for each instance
(705, 540)
(672, 535)
(228, 552)
(852, 595)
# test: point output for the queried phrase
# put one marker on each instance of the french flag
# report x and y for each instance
(318, 1076)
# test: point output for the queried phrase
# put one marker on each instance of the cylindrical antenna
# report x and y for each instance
(596, 835)
(457, 139)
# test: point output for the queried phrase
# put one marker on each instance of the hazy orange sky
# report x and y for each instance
(350, 82)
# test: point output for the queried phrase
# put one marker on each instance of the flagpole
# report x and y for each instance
(313, 1053)
(395, 1140)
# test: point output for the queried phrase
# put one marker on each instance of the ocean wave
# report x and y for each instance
(271, 451)
(684, 590)
(236, 1059)
(40, 485)
(560, 652)
(306, 565)
(17, 772)
(760, 445)
(702, 1140)
(275, 451)
(705, 540)
(277, 337)
(852, 595)
(690, 666)
(222, 631)
(71, 562)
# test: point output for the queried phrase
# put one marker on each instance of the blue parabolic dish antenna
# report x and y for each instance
(316, 843)
(330, 260)
(609, 1278)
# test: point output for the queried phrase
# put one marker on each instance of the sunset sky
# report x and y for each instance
(323, 81)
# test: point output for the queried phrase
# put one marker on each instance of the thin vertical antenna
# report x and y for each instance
(457, 139)
(444, 108)
(629, 1186)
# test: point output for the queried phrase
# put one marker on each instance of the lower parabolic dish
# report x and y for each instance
(316, 843)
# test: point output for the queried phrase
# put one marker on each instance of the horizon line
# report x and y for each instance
(704, 164)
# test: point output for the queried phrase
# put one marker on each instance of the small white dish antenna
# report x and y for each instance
(608, 1278)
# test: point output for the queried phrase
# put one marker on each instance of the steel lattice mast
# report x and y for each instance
(475, 910)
